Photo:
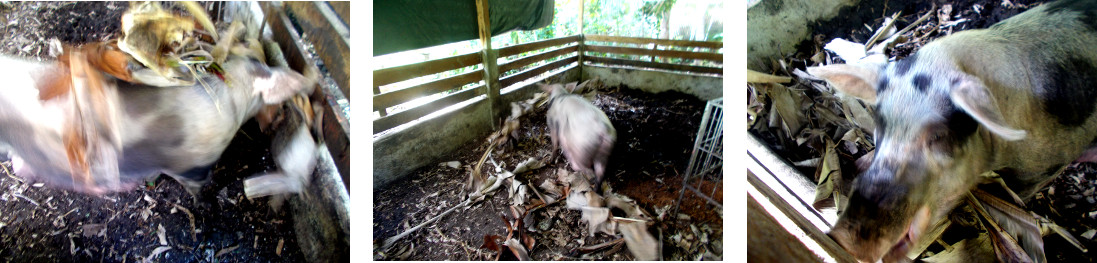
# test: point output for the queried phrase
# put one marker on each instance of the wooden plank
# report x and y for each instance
(717, 57)
(646, 64)
(771, 240)
(394, 98)
(662, 42)
(400, 118)
(391, 75)
(336, 120)
(491, 66)
(518, 49)
(818, 239)
(529, 73)
(328, 35)
(538, 57)
(343, 9)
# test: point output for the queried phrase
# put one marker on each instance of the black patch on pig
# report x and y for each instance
(1068, 94)
(1088, 10)
(921, 82)
(960, 125)
(904, 65)
(882, 86)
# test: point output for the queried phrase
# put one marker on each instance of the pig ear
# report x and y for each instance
(545, 88)
(857, 81)
(974, 98)
(570, 87)
(282, 84)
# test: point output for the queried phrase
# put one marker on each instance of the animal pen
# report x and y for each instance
(159, 221)
(424, 155)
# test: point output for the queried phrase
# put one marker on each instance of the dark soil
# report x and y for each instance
(41, 224)
(655, 135)
(1069, 201)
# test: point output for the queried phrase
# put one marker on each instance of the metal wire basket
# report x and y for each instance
(703, 176)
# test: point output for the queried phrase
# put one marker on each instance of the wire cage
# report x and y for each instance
(703, 176)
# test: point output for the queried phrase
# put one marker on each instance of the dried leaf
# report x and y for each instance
(490, 242)
(278, 249)
(162, 234)
(972, 250)
(642, 244)
(927, 239)
(1046, 227)
(1006, 248)
(226, 250)
(829, 170)
(517, 249)
(857, 114)
(155, 252)
(759, 77)
(1016, 221)
(787, 104)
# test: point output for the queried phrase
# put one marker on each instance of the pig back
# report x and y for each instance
(581, 130)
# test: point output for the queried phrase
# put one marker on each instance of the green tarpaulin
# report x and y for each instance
(401, 25)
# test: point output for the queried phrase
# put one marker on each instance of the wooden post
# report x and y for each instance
(582, 13)
(491, 65)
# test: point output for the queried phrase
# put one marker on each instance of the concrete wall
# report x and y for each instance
(398, 153)
(775, 27)
(704, 87)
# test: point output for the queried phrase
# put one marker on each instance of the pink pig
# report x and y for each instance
(582, 130)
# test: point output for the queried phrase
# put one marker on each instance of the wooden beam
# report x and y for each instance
(491, 68)
(582, 14)
(336, 120)
(391, 75)
(716, 57)
(657, 65)
(404, 95)
(328, 35)
(343, 9)
(538, 57)
(644, 41)
(518, 49)
(529, 73)
(400, 118)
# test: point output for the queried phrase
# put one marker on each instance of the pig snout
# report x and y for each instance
(581, 130)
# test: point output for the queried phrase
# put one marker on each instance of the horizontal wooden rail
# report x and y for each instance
(662, 42)
(394, 98)
(524, 75)
(717, 57)
(539, 57)
(646, 64)
(388, 122)
(518, 49)
(391, 75)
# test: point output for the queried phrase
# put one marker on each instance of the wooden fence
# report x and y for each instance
(525, 61)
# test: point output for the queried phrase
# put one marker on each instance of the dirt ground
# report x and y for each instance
(40, 224)
(1070, 201)
(655, 135)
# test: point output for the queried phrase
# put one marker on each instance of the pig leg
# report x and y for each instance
(193, 180)
(601, 158)
(555, 137)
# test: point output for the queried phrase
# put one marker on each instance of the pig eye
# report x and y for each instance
(937, 137)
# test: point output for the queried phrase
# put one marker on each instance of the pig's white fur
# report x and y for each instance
(999, 77)
(170, 130)
(581, 130)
